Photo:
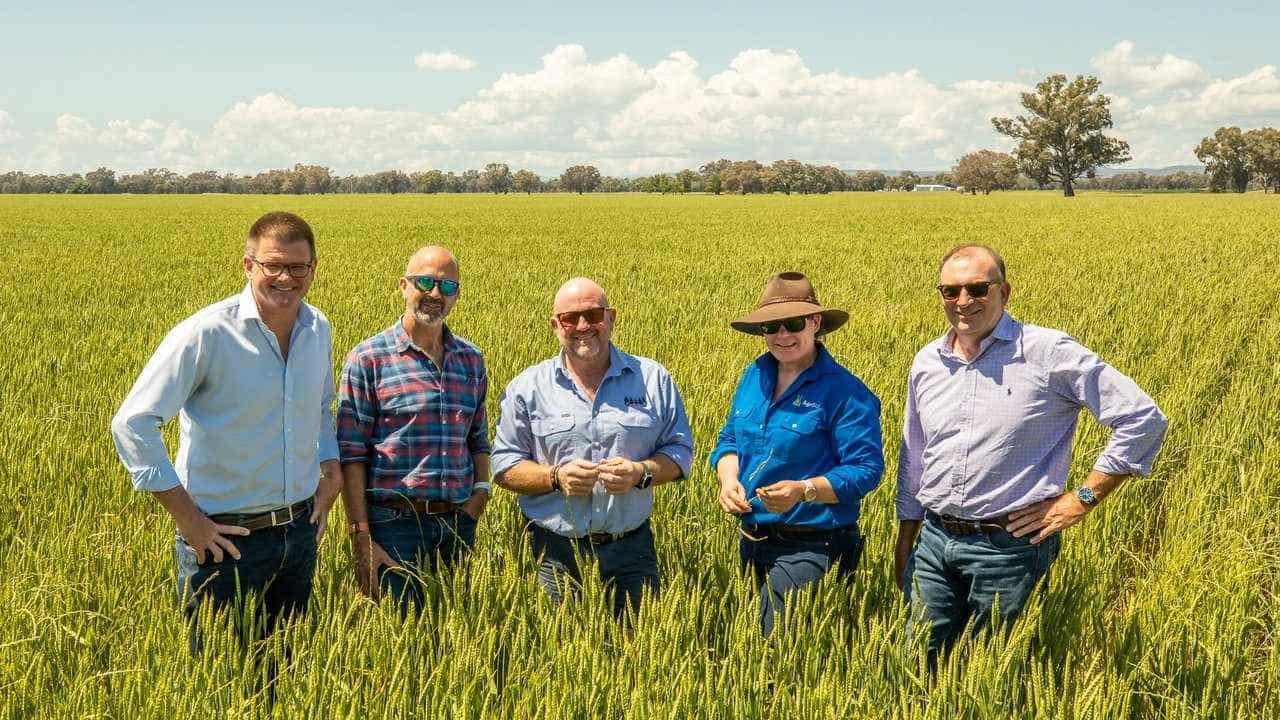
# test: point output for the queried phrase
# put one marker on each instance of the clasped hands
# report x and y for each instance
(777, 498)
(618, 475)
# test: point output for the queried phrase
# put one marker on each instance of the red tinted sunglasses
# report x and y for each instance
(594, 316)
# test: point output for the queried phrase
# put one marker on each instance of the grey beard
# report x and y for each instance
(432, 316)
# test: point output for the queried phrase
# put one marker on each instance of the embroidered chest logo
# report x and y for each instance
(801, 402)
(641, 401)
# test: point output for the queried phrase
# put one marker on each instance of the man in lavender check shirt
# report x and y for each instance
(990, 417)
(584, 438)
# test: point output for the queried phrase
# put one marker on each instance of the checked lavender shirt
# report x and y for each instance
(989, 436)
(414, 425)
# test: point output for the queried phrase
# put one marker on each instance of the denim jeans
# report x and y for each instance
(784, 565)
(627, 566)
(955, 580)
(422, 543)
(275, 572)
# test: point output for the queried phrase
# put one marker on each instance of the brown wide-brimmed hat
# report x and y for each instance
(788, 295)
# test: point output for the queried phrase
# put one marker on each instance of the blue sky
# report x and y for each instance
(647, 88)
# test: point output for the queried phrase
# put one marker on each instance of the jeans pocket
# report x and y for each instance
(1004, 540)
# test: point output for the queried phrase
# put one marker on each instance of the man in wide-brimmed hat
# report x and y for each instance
(800, 448)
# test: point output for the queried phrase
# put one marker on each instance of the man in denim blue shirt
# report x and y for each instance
(584, 438)
(251, 381)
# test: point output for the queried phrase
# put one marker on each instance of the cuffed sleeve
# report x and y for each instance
(676, 441)
(727, 441)
(857, 442)
(1137, 424)
(513, 437)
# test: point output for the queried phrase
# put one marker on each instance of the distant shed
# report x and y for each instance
(932, 188)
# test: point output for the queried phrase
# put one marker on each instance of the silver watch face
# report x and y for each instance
(1086, 496)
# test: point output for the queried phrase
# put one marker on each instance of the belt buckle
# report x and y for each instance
(274, 521)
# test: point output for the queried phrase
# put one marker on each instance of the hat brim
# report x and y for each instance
(832, 319)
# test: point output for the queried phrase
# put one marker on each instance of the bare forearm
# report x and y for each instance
(823, 491)
(727, 468)
(179, 504)
(354, 483)
(483, 467)
(664, 469)
(1103, 484)
(908, 530)
(526, 478)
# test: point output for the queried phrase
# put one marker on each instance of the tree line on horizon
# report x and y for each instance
(1062, 142)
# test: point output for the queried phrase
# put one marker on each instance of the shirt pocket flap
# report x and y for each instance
(802, 424)
(404, 403)
(551, 425)
(637, 418)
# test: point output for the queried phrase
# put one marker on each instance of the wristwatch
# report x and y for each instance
(646, 480)
(810, 491)
(1087, 496)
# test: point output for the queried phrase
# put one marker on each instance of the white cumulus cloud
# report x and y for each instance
(631, 118)
(443, 61)
(1120, 66)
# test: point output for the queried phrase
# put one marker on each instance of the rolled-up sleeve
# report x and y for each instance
(356, 397)
(676, 441)
(513, 438)
(478, 436)
(910, 458)
(1137, 424)
(169, 378)
(856, 437)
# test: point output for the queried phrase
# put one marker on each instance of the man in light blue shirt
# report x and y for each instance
(990, 418)
(584, 438)
(250, 379)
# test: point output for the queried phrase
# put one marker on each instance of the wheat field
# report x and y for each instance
(1162, 604)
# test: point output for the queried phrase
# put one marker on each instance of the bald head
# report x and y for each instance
(433, 260)
(579, 294)
(983, 253)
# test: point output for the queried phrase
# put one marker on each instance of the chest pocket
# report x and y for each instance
(550, 426)
(807, 427)
(406, 403)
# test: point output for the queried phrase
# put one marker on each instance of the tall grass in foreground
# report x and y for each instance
(1162, 605)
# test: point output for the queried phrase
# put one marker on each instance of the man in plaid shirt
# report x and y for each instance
(413, 438)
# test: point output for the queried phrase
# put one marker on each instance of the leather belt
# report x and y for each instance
(425, 507)
(759, 533)
(603, 538)
(268, 519)
(963, 526)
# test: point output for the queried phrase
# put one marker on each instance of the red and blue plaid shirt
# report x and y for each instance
(414, 425)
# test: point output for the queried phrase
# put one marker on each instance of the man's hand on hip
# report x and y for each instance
(474, 505)
(1047, 517)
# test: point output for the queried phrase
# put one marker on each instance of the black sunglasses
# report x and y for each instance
(975, 290)
(425, 283)
(794, 324)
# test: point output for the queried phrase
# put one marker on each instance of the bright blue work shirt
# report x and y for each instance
(637, 413)
(826, 424)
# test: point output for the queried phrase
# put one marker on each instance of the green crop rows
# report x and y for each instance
(1161, 605)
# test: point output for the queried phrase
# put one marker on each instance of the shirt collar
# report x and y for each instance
(248, 309)
(403, 342)
(822, 363)
(1005, 331)
(619, 362)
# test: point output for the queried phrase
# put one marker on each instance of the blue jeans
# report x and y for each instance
(783, 565)
(627, 566)
(274, 572)
(955, 580)
(422, 543)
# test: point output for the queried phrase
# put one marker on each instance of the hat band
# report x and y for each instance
(788, 298)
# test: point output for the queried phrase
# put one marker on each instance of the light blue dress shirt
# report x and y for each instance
(253, 429)
(637, 413)
(985, 437)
